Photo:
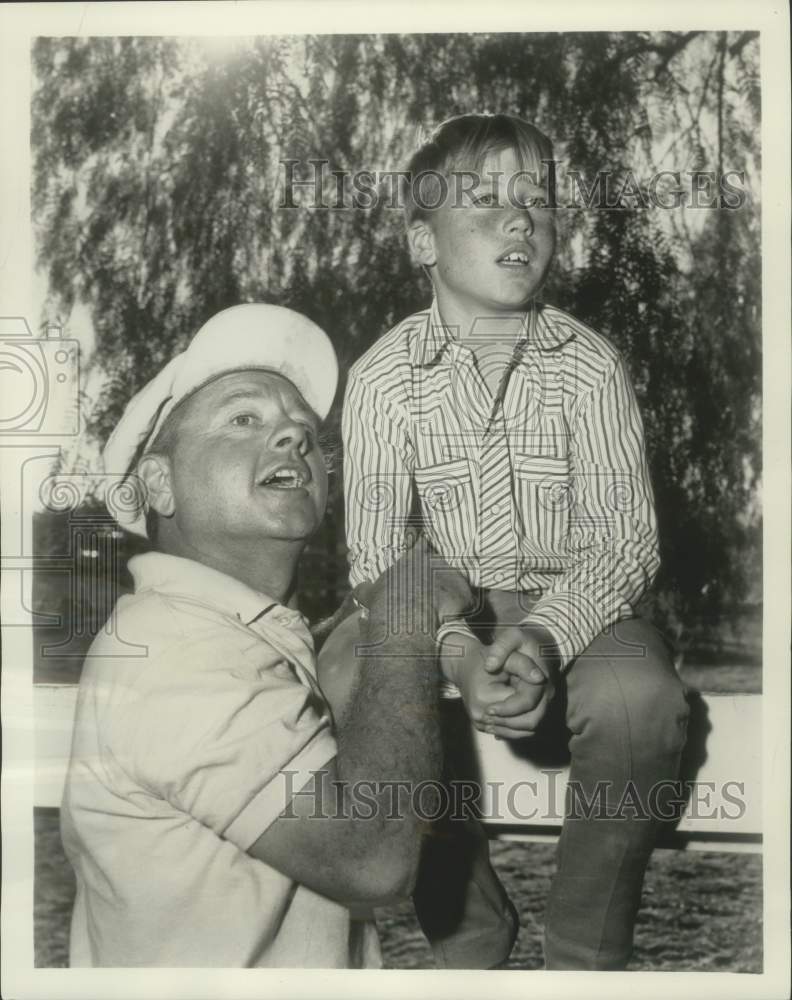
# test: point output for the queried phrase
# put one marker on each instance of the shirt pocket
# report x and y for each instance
(445, 488)
(544, 496)
(438, 438)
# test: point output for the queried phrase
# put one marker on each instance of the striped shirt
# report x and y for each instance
(547, 492)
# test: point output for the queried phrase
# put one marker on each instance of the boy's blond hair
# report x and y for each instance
(462, 143)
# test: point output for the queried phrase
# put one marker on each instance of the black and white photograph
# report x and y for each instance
(395, 484)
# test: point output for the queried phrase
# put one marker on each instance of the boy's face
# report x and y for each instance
(489, 251)
(246, 463)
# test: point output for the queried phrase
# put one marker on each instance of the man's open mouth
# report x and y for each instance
(285, 478)
(515, 258)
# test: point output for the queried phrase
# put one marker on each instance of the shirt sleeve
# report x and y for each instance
(227, 742)
(612, 541)
(378, 469)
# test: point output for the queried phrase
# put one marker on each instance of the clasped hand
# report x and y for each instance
(508, 688)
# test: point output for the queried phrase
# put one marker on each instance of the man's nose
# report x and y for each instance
(289, 435)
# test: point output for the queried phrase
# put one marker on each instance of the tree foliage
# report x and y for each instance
(159, 191)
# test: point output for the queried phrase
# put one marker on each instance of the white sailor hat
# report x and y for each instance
(251, 336)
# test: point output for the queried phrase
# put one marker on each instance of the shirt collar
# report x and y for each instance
(185, 577)
(432, 336)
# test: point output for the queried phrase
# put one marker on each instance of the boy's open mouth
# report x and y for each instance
(286, 477)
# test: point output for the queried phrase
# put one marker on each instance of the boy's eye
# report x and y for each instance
(488, 200)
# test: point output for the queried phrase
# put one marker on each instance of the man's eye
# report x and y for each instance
(485, 200)
(243, 420)
(311, 434)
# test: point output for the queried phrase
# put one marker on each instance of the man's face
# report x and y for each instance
(493, 247)
(246, 463)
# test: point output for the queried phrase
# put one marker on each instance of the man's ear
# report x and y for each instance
(155, 471)
(422, 245)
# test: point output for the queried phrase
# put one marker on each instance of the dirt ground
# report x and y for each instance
(701, 912)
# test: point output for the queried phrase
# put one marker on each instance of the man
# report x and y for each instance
(211, 808)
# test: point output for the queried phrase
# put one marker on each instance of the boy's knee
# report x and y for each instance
(649, 680)
(658, 712)
(625, 688)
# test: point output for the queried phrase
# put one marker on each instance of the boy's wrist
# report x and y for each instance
(450, 668)
(459, 677)
(458, 654)
(544, 642)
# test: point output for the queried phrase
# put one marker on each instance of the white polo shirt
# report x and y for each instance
(194, 703)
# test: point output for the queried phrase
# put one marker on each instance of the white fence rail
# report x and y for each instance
(520, 798)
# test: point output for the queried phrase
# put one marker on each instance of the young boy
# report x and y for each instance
(514, 430)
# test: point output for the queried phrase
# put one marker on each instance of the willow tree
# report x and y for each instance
(160, 196)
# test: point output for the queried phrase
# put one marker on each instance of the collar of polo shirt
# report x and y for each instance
(170, 574)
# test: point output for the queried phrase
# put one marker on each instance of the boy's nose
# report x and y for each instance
(520, 221)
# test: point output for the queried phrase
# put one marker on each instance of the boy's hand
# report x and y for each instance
(480, 689)
(527, 654)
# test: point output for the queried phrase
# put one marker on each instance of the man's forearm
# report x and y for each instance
(390, 731)
(389, 741)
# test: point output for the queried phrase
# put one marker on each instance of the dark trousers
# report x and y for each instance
(625, 713)
(464, 911)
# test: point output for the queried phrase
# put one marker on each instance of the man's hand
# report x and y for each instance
(528, 655)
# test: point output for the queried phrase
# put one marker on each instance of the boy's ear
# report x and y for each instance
(155, 471)
(422, 245)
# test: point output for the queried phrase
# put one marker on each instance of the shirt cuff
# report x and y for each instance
(569, 644)
(458, 626)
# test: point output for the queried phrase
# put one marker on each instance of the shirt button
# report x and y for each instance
(495, 509)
